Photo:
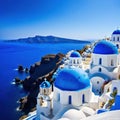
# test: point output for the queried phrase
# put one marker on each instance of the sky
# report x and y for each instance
(77, 19)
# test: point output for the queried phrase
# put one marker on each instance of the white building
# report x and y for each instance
(72, 89)
(44, 100)
(104, 65)
(72, 86)
(115, 38)
(73, 59)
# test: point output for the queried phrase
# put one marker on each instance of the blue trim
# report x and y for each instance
(101, 111)
(110, 69)
(116, 105)
(102, 75)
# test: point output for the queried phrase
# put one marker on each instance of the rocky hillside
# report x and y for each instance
(38, 72)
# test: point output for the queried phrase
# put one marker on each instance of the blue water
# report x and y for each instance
(12, 55)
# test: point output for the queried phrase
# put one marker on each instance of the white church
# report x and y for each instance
(115, 38)
(105, 65)
(76, 93)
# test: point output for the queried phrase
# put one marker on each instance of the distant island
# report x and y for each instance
(47, 39)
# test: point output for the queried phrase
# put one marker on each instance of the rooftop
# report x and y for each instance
(72, 79)
(105, 47)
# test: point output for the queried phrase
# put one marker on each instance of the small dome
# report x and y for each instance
(45, 84)
(105, 47)
(72, 79)
(75, 54)
(116, 32)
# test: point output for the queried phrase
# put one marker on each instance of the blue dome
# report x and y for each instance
(72, 79)
(45, 84)
(75, 54)
(105, 47)
(116, 32)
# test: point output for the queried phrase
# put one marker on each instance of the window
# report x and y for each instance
(99, 70)
(74, 61)
(113, 38)
(114, 91)
(117, 45)
(77, 61)
(41, 101)
(112, 63)
(83, 98)
(99, 92)
(92, 61)
(108, 90)
(100, 61)
(70, 61)
(97, 82)
(45, 92)
(118, 39)
(69, 99)
(58, 96)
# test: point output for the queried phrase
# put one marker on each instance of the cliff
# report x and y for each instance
(38, 72)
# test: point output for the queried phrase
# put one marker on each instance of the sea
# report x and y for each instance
(11, 56)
